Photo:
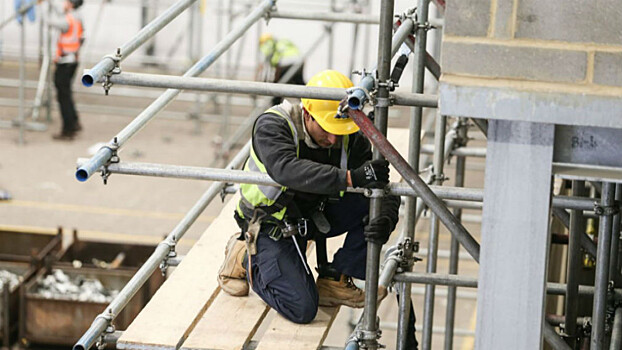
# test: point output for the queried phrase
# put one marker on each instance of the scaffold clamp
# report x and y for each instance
(601, 210)
(113, 147)
(116, 58)
(171, 254)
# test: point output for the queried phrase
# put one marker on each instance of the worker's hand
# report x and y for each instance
(380, 228)
(372, 174)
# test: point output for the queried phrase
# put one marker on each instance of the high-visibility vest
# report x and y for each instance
(281, 50)
(69, 42)
(266, 197)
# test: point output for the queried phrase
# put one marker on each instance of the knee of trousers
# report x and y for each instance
(304, 313)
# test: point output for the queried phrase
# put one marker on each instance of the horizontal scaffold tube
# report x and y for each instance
(108, 63)
(163, 249)
(339, 17)
(105, 153)
(239, 176)
(257, 88)
(471, 282)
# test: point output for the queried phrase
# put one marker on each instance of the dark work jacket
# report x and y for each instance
(315, 174)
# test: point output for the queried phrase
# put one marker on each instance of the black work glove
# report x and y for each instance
(379, 229)
(372, 174)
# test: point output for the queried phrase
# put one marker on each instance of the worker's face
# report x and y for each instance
(322, 137)
(67, 5)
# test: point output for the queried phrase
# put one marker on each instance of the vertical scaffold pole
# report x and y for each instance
(577, 228)
(428, 308)
(454, 249)
(22, 78)
(381, 111)
(414, 149)
(602, 267)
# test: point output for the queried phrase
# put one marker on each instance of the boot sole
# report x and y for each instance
(332, 302)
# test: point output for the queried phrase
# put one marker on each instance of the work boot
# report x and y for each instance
(232, 274)
(335, 289)
(64, 136)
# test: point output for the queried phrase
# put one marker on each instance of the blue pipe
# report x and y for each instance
(357, 98)
(87, 169)
(352, 345)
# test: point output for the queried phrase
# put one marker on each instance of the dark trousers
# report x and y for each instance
(297, 79)
(279, 276)
(63, 77)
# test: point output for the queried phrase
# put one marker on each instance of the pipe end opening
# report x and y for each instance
(87, 80)
(354, 103)
(82, 175)
(78, 347)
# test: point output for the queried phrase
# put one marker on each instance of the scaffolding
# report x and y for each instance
(560, 332)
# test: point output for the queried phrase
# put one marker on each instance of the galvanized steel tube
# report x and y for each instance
(104, 66)
(577, 229)
(553, 339)
(100, 323)
(429, 298)
(338, 17)
(256, 88)
(105, 153)
(614, 273)
(381, 113)
(597, 341)
(616, 332)
(22, 79)
(454, 251)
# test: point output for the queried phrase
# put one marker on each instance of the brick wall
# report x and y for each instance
(532, 60)
(558, 41)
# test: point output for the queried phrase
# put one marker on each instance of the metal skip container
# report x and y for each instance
(21, 255)
(99, 269)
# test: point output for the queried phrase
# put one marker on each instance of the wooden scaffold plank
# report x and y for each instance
(176, 307)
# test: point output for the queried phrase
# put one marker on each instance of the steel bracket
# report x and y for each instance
(376, 192)
(606, 210)
(107, 84)
(411, 13)
(113, 147)
(171, 254)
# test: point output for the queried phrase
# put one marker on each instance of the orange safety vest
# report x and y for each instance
(69, 42)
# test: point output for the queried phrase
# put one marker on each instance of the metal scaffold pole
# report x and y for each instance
(450, 313)
(601, 282)
(104, 155)
(108, 63)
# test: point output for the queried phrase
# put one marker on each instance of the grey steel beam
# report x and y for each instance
(105, 153)
(108, 63)
(601, 282)
(162, 251)
(515, 235)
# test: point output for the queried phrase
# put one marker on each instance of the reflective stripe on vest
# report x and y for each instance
(254, 196)
(69, 41)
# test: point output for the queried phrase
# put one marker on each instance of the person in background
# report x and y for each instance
(279, 56)
(68, 46)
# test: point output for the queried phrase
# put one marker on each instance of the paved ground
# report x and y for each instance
(40, 177)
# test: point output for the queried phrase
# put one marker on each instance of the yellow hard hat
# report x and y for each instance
(325, 111)
(265, 37)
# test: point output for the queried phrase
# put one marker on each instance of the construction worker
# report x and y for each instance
(279, 56)
(315, 153)
(69, 41)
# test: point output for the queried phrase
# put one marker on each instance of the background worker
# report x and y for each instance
(315, 154)
(68, 45)
(279, 56)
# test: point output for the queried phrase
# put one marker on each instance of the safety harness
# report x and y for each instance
(269, 204)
